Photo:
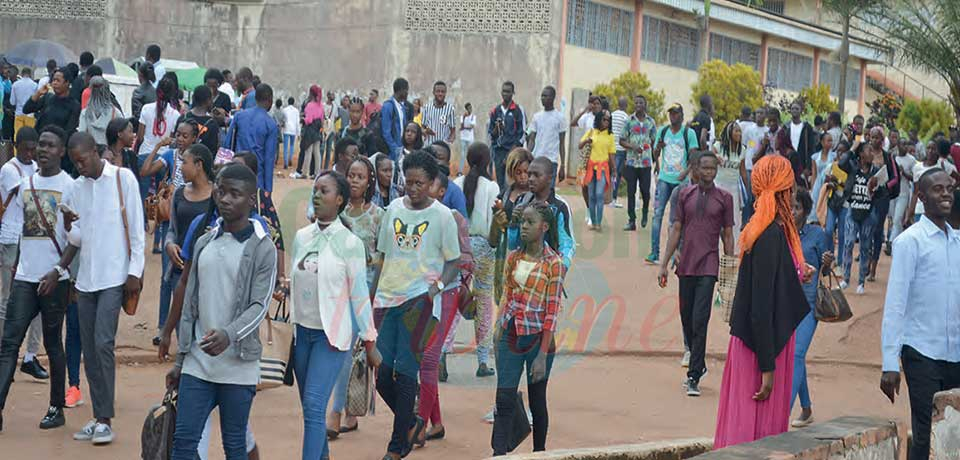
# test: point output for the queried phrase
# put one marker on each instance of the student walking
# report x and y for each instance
(421, 255)
(755, 395)
(920, 322)
(704, 215)
(481, 193)
(673, 146)
(330, 300)
(467, 123)
(637, 139)
(506, 130)
(534, 279)
(547, 133)
(291, 129)
(227, 296)
(518, 163)
(599, 166)
(106, 233)
(311, 141)
(40, 286)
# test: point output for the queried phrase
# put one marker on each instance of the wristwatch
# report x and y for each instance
(62, 272)
(440, 285)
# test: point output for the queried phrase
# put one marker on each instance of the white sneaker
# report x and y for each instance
(102, 434)
(86, 433)
(296, 175)
(860, 289)
(843, 285)
(616, 204)
(685, 361)
(589, 222)
(490, 416)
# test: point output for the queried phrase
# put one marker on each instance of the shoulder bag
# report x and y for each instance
(43, 218)
(520, 425)
(276, 338)
(130, 301)
(156, 436)
(832, 305)
(726, 286)
(360, 386)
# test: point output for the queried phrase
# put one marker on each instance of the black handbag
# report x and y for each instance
(156, 437)
(832, 305)
(520, 425)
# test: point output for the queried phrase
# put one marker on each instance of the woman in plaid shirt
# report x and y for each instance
(531, 302)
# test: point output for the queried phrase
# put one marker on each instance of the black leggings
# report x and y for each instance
(634, 176)
(538, 407)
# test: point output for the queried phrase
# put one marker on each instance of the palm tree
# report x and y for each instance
(846, 10)
(925, 35)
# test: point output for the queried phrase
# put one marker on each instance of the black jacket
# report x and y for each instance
(809, 143)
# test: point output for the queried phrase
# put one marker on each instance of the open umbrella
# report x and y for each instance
(36, 53)
(189, 79)
(113, 66)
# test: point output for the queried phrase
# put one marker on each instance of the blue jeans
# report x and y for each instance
(619, 161)
(595, 192)
(881, 207)
(864, 232)
(288, 140)
(837, 222)
(464, 146)
(195, 400)
(72, 346)
(514, 353)
(804, 336)
(340, 388)
(746, 197)
(327, 162)
(316, 364)
(660, 200)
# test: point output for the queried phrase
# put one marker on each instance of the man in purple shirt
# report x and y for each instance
(254, 130)
(704, 215)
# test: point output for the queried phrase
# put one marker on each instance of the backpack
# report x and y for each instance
(686, 139)
(156, 437)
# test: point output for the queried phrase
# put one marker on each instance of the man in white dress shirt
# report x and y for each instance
(108, 238)
(921, 321)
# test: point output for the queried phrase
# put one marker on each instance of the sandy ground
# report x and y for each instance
(619, 382)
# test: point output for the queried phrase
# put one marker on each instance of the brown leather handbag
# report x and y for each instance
(832, 305)
(130, 301)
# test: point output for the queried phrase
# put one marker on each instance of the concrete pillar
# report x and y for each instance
(637, 36)
(816, 67)
(764, 42)
(563, 47)
(861, 101)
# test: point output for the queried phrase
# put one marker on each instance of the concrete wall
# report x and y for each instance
(945, 434)
(350, 45)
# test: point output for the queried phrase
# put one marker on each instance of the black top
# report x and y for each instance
(769, 302)
(222, 100)
(209, 130)
(701, 121)
(61, 111)
(185, 211)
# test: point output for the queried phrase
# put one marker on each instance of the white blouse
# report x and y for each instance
(482, 216)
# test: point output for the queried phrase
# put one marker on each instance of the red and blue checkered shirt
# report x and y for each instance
(534, 305)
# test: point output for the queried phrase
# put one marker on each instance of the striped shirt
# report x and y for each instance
(440, 120)
(619, 120)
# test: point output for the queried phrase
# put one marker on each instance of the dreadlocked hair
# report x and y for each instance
(552, 237)
(773, 184)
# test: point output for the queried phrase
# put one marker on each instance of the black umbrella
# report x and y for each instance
(36, 53)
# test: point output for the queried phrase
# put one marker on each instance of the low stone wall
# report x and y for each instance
(945, 433)
(681, 449)
(845, 438)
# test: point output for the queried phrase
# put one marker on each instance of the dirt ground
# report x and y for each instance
(619, 332)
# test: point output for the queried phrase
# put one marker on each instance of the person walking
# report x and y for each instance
(145, 93)
(704, 215)
(619, 120)
(481, 193)
(467, 123)
(395, 114)
(518, 163)
(254, 130)
(599, 165)
(106, 233)
(20, 93)
(906, 162)
(99, 111)
(327, 305)
(757, 379)
(817, 251)
(672, 152)
(919, 323)
(311, 142)
(547, 133)
(40, 287)
(861, 220)
(637, 139)
(506, 130)
(525, 330)
(821, 165)
(291, 129)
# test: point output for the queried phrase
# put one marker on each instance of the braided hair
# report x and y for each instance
(371, 177)
(166, 96)
(552, 236)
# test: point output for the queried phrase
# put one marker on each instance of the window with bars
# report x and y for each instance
(600, 27)
(830, 75)
(733, 51)
(789, 71)
(669, 43)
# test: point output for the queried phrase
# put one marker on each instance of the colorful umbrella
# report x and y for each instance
(190, 78)
(36, 53)
(113, 66)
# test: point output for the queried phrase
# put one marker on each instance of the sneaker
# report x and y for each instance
(630, 227)
(643, 220)
(693, 387)
(86, 433)
(53, 419)
(296, 175)
(34, 369)
(589, 222)
(685, 361)
(484, 371)
(802, 423)
(102, 434)
(490, 416)
(616, 204)
(652, 260)
(860, 290)
(74, 398)
(843, 285)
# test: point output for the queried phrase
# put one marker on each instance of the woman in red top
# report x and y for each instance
(531, 302)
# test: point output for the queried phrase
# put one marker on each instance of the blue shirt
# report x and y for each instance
(186, 251)
(455, 199)
(922, 308)
(815, 242)
(257, 132)
(249, 100)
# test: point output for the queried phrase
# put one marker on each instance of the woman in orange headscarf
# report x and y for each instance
(767, 307)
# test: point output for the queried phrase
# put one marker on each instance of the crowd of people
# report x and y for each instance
(403, 243)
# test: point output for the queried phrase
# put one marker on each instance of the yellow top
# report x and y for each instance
(603, 147)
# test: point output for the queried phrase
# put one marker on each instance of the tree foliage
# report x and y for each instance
(630, 84)
(926, 116)
(925, 35)
(817, 99)
(732, 87)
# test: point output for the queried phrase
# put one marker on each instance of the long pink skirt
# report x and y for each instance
(740, 419)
